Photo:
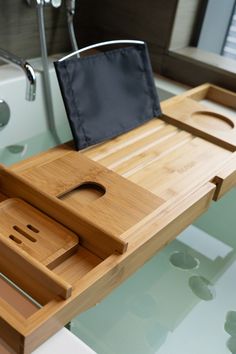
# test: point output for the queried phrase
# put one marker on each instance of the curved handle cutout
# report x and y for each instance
(212, 120)
(85, 193)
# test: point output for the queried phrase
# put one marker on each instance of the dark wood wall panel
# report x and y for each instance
(96, 20)
(19, 29)
(149, 20)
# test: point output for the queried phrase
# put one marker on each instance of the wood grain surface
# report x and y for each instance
(182, 169)
(200, 120)
(35, 233)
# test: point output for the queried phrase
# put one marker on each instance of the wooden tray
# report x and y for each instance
(191, 111)
(171, 176)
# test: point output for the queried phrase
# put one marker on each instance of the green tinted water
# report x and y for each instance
(32, 146)
(182, 301)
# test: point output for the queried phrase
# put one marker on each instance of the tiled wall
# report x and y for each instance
(19, 29)
(96, 20)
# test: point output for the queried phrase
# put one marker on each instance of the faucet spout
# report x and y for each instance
(31, 82)
(28, 70)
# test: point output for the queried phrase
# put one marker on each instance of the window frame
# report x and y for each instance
(184, 62)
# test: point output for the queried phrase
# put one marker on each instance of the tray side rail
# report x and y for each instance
(30, 275)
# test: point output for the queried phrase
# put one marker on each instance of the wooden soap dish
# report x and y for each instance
(34, 232)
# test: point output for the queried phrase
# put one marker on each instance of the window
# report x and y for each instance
(194, 59)
(229, 49)
(218, 32)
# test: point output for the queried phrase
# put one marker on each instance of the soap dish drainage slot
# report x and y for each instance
(15, 239)
(33, 228)
(23, 233)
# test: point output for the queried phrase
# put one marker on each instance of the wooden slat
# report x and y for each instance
(11, 340)
(143, 161)
(2, 197)
(226, 178)
(12, 328)
(125, 140)
(164, 167)
(5, 348)
(150, 142)
(220, 95)
(77, 266)
(197, 93)
(180, 172)
(30, 275)
(16, 299)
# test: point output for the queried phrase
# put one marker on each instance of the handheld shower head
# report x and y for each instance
(54, 3)
(70, 4)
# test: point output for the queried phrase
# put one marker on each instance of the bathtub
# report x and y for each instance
(27, 132)
(152, 302)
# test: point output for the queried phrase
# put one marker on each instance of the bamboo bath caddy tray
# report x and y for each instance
(74, 225)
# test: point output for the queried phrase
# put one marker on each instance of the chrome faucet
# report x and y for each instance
(28, 70)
